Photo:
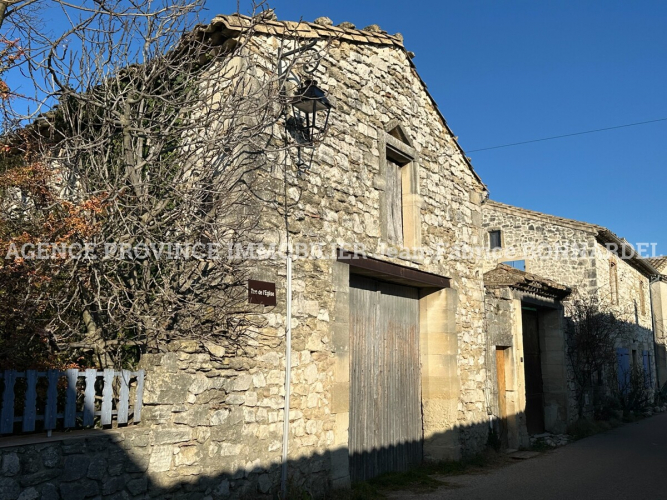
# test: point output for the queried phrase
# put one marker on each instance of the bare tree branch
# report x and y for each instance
(162, 135)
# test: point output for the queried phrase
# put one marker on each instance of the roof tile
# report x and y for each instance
(504, 275)
(308, 30)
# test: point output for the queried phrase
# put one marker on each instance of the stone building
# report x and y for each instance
(387, 336)
(388, 343)
(399, 350)
(528, 385)
(587, 258)
(659, 308)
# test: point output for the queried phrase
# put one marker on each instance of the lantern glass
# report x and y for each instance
(311, 108)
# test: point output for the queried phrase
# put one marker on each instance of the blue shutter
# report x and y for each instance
(650, 370)
(623, 358)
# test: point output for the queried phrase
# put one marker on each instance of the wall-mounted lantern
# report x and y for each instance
(311, 112)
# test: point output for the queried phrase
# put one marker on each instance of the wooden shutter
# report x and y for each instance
(394, 197)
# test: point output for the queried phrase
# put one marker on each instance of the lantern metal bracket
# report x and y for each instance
(299, 50)
(309, 103)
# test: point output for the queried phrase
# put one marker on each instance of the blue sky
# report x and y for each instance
(518, 70)
(512, 70)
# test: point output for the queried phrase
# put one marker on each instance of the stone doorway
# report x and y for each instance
(533, 370)
(526, 328)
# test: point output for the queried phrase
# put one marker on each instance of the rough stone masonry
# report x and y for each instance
(213, 422)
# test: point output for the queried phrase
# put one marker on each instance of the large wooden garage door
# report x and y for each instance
(385, 382)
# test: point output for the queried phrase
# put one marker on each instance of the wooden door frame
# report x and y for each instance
(502, 362)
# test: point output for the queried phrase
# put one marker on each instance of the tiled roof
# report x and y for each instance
(302, 29)
(660, 263)
(504, 275)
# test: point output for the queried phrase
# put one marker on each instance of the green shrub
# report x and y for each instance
(583, 428)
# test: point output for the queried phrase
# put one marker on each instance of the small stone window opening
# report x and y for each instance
(394, 200)
(516, 264)
(613, 282)
(494, 239)
(402, 202)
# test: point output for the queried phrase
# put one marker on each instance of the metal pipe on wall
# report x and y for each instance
(656, 352)
(288, 371)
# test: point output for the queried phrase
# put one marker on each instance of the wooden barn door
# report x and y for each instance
(385, 382)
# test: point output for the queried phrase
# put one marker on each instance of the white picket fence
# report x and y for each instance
(97, 401)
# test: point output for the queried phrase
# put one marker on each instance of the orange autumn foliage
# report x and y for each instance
(34, 213)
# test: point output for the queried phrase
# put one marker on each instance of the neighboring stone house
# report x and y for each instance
(587, 258)
(387, 345)
(659, 308)
(528, 385)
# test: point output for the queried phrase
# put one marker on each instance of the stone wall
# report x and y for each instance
(211, 427)
(505, 337)
(588, 273)
(112, 465)
(223, 418)
(632, 303)
(499, 319)
(133, 463)
(524, 233)
(503, 326)
(659, 307)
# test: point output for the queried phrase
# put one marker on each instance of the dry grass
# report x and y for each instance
(425, 478)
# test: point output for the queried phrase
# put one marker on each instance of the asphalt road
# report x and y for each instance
(629, 462)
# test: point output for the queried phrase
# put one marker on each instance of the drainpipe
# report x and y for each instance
(283, 67)
(288, 372)
(654, 279)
